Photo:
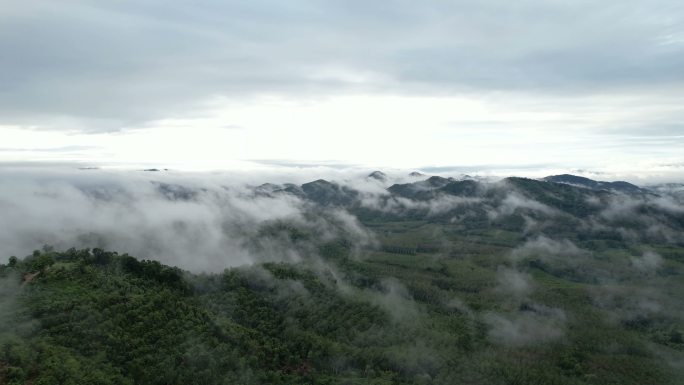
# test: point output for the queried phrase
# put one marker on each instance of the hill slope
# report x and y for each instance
(397, 316)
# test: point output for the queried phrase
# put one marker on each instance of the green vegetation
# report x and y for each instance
(96, 317)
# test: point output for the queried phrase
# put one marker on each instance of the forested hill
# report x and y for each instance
(95, 317)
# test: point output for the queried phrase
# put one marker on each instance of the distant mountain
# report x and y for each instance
(433, 188)
(675, 190)
(438, 181)
(320, 191)
(267, 188)
(577, 196)
(418, 189)
(468, 188)
(155, 169)
(574, 180)
(176, 192)
(293, 189)
(667, 187)
(570, 198)
(328, 193)
(378, 175)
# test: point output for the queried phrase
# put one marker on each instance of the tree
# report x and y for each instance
(42, 262)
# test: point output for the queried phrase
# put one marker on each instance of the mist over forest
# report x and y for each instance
(168, 216)
(365, 277)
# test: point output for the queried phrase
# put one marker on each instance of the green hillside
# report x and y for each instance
(489, 308)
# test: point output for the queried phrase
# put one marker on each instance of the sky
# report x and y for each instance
(439, 86)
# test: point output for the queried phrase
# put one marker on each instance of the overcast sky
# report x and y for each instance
(433, 85)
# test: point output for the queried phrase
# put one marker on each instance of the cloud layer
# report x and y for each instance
(130, 61)
(200, 224)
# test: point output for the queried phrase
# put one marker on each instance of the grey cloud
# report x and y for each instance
(563, 258)
(537, 325)
(543, 246)
(396, 300)
(654, 213)
(303, 164)
(211, 224)
(486, 167)
(89, 65)
(625, 303)
(513, 282)
(460, 305)
(49, 149)
(515, 201)
(398, 205)
(667, 128)
(648, 262)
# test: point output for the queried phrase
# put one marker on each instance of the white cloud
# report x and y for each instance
(400, 84)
